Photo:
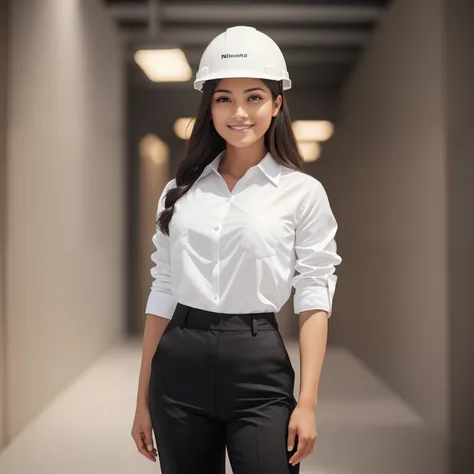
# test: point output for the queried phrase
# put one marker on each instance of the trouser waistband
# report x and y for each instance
(187, 316)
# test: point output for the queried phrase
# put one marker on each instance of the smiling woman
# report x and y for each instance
(233, 227)
(242, 110)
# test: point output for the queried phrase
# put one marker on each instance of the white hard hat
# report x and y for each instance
(242, 51)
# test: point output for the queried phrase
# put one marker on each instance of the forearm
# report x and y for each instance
(154, 328)
(313, 341)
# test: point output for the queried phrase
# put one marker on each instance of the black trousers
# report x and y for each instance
(217, 381)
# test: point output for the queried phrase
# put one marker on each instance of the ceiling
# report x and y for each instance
(321, 40)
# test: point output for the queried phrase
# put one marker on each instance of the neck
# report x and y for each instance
(236, 161)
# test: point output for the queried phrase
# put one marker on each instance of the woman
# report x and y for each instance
(233, 226)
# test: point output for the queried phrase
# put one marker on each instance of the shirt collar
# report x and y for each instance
(268, 165)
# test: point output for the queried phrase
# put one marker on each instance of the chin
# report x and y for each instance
(242, 142)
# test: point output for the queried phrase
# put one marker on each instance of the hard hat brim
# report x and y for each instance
(198, 83)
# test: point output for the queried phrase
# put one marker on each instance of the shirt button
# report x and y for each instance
(216, 227)
(214, 297)
(227, 200)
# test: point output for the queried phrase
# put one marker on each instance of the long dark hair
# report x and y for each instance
(205, 144)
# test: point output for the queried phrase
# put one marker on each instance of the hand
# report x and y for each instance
(141, 433)
(302, 423)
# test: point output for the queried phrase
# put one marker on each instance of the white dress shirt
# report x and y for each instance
(237, 252)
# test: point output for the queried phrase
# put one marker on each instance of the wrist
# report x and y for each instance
(307, 401)
(142, 402)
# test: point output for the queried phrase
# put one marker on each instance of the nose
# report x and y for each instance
(239, 113)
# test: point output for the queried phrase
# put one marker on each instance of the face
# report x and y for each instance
(242, 110)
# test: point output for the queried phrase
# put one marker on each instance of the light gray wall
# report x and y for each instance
(460, 176)
(388, 189)
(65, 223)
(3, 182)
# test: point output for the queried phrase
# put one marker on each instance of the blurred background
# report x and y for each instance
(90, 132)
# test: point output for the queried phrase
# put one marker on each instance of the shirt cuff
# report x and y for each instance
(316, 297)
(161, 304)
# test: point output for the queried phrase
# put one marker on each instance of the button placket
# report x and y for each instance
(215, 270)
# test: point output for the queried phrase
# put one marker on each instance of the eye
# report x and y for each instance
(255, 97)
(222, 99)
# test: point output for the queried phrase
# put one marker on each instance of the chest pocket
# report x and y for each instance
(261, 237)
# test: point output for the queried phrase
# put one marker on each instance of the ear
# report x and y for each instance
(277, 105)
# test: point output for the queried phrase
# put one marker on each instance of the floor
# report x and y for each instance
(363, 428)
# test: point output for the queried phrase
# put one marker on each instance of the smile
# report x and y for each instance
(240, 128)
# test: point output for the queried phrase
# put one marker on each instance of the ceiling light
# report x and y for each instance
(183, 127)
(313, 130)
(164, 65)
(310, 151)
(154, 149)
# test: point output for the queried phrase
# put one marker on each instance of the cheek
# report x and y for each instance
(263, 114)
(220, 118)
(263, 118)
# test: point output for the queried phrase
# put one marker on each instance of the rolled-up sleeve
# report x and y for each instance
(316, 254)
(161, 301)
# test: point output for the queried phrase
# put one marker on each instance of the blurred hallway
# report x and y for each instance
(363, 427)
(87, 142)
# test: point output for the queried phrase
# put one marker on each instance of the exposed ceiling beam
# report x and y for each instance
(313, 76)
(183, 12)
(293, 58)
(283, 37)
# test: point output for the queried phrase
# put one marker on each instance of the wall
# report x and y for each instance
(154, 174)
(460, 176)
(65, 221)
(389, 192)
(3, 182)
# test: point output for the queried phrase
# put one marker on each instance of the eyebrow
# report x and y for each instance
(245, 91)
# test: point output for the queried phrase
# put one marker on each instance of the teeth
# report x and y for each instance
(241, 128)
